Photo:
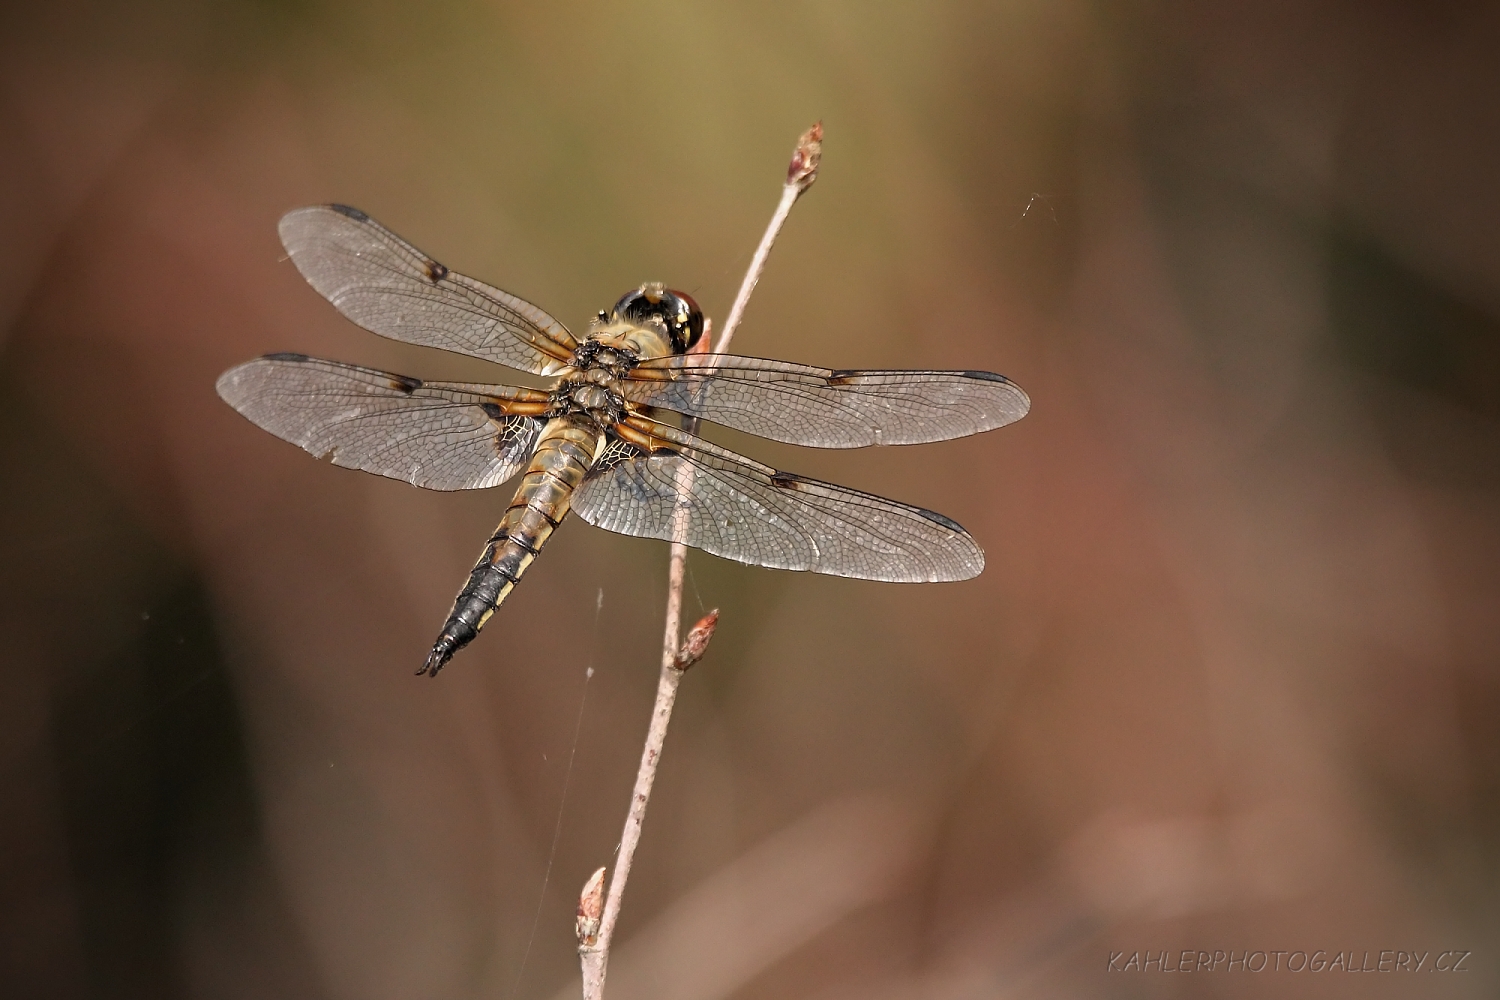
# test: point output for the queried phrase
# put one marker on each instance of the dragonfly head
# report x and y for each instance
(663, 311)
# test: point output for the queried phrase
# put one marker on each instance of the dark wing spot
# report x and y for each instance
(493, 411)
(787, 481)
(843, 376)
(405, 383)
(946, 522)
(285, 356)
(657, 413)
(436, 272)
(986, 376)
(353, 213)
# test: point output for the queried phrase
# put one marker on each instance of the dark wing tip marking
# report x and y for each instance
(436, 272)
(353, 213)
(937, 518)
(405, 383)
(843, 376)
(286, 356)
(986, 376)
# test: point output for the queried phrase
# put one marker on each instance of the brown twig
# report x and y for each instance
(800, 174)
(595, 934)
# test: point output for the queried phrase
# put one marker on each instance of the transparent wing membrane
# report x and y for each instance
(824, 408)
(437, 435)
(751, 513)
(389, 287)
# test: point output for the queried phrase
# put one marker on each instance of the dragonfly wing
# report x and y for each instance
(389, 287)
(437, 435)
(751, 513)
(824, 408)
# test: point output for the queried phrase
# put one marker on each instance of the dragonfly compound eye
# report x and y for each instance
(676, 312)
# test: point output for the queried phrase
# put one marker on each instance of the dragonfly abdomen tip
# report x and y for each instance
(442, 652)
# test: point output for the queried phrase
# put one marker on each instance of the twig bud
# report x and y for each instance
(803, 169)
(696, 643)
(590, 910)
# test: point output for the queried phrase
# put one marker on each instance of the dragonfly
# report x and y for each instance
(602, 441)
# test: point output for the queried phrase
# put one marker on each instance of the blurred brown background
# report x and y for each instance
(1229, 682)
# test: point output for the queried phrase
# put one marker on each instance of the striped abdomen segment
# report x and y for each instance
(563, 456)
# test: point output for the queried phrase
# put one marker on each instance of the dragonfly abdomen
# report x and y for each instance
(564, 454)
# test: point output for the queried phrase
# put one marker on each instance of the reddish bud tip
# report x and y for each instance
(803, 169)
(590, 910)
(696, 643)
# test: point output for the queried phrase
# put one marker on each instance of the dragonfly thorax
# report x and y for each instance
(590, 393)
(595, 357)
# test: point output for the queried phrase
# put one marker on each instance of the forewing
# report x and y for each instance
(824, 408)
(751, 513)
(437, 435)
(389, 287)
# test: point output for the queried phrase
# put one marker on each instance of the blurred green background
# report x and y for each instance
(1229, 681)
